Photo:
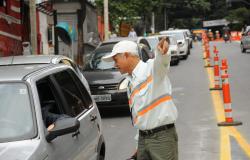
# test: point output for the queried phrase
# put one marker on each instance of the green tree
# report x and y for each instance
(180, 12)
(239, 17)
(128, 10)
(185, 13)
(219, 9)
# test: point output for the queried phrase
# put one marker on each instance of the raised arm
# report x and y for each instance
(162, 57)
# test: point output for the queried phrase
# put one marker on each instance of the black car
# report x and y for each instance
(107, 85)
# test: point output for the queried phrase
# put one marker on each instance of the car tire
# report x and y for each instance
(174, 63)
(243, 50)
(177, 62)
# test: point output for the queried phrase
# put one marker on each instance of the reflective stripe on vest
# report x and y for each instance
(152, 105)
(139, 87)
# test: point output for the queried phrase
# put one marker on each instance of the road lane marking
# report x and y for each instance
(225, 132)
(225, 147)
(241, 140)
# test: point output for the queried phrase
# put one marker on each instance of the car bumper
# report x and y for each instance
(174, 58)
(119, 99)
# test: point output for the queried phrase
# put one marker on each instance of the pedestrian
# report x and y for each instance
(153, 112)
(132, 33)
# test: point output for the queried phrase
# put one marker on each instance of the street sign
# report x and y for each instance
(218, 22)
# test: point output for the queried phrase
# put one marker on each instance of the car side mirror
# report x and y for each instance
(62, 127)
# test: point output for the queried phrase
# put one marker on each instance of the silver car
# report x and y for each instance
(46, 113)
(245, 41)
(43, 59)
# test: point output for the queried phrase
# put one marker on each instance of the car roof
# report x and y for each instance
(152, 37)
(160, 35)
(171, 31)
(118, 39)
(18, 72)
(31, 59)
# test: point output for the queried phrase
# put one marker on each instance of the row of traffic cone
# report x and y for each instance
(229, 121)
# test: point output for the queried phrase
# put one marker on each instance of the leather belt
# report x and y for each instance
(155, 130)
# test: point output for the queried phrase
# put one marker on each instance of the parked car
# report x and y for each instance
(114, 40)
(108, 86)
(43, 59)
(153, 42)
(182, 41)
(245, 41)
(173, 47)
(189, 36)
(47, 113)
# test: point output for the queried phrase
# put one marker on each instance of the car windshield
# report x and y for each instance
(153, 43)
(172, 41)
(97, 63)
(16, 120)
(177, 35)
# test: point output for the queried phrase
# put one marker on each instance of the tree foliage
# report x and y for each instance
(128, 10)
(180, 13)
(241, 16)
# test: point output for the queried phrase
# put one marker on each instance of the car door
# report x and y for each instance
(62, 90)
(79, 105)
(62, 147)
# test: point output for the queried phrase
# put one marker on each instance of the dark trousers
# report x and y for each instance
(162, 145)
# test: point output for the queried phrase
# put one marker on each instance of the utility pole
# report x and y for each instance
(33, 32)
(153, 23)
(106, 20)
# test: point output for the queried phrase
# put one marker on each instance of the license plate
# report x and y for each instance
(102, 98)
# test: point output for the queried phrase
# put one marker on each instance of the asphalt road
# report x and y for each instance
(199, 136)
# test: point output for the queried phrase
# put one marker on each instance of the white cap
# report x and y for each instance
(122, 47)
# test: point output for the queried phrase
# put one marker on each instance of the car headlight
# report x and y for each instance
(123, 84)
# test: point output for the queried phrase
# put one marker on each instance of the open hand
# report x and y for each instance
(163, 46)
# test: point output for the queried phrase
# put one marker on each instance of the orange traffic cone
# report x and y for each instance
(216, 71)
(208, 59)
(227, 98)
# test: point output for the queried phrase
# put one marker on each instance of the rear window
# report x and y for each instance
(16, 120)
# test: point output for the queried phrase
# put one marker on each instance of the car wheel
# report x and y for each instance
(243, 50)
(177, 62)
